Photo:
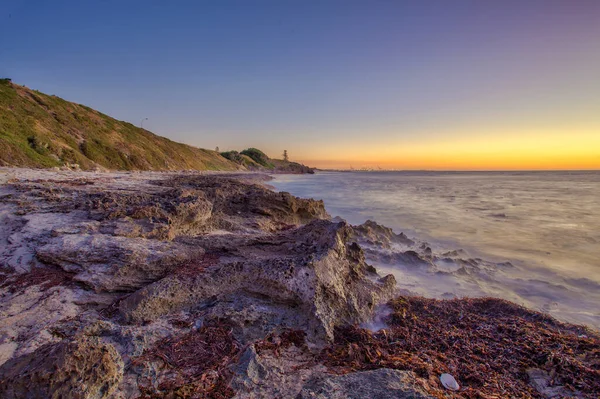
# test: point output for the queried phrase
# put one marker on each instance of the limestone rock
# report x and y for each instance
(375, 384)
(81, 369)
(311, 269)
(372, 233)
(542, 382)
(273, 376)
(108, 263)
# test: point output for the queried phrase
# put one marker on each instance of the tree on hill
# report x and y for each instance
(285, 156)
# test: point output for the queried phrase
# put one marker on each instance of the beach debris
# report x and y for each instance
(276, 342)
(45, 277)
(198, 363)
(490, 343)
(449, 382)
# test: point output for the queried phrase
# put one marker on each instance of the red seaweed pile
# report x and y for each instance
(45, 277)
(195, 364)
(276, 342)
(489, 345)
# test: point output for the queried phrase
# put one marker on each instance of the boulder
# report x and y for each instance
(84, 368)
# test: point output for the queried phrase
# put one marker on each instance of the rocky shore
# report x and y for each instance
(190, 285)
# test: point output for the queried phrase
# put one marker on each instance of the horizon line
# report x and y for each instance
(454, 170)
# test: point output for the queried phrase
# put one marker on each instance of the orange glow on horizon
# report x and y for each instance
(534, 151)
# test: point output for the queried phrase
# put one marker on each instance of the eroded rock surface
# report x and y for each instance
(112, 263)
(82, 369)
(105, 277)
(321, 280)
(182, 285)
(375, 384)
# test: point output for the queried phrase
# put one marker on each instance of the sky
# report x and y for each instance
(439, 85)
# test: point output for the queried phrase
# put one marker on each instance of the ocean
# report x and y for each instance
(531, 237)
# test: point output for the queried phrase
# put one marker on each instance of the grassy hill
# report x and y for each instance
(38, 130)
(255, 159)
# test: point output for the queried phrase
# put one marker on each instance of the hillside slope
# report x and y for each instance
(39, 130)
(255, 159)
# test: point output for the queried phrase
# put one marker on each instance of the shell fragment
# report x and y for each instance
(449, 382)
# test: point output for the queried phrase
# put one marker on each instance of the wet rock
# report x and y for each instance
(411, 257)
(376, 384)
(407, 258)
(84, 368)
(372, 233)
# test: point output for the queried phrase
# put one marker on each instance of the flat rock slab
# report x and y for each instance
(375, 384)
(112, 263)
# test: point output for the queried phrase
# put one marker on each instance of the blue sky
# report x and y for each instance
(330, 81)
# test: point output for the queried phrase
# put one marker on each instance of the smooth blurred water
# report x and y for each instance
(547, 223)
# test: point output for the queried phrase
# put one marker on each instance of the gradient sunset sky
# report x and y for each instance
(395, 84)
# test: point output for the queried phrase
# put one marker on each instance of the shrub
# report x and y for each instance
(257, 156)
(233, 156)
(36, 144)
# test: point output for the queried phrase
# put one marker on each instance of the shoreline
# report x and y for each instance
(115, 271)
(553, 268)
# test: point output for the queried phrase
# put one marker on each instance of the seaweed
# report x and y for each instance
(276, 342)
(487, 344)
(45, 277)
(198, 362)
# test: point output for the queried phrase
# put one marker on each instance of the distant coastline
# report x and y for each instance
(461, 171)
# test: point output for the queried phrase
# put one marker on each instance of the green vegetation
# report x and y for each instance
(38, 130)
(258, 156)
(255, 159)
(233, 156)
(242, 160)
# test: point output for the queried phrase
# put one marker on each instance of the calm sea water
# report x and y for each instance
(547, 224)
